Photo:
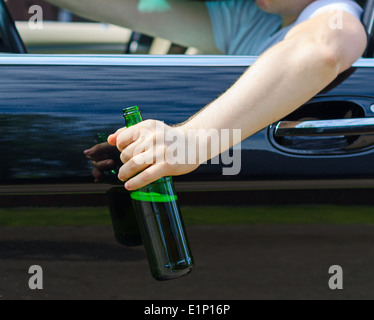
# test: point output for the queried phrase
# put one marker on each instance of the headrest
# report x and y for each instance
(153, 5)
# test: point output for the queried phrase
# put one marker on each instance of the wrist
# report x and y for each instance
(200, 143)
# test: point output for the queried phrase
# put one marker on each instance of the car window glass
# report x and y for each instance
(5, 46)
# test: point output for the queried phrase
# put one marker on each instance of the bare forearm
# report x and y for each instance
(284, 78)
(278, 83)
(121, 12)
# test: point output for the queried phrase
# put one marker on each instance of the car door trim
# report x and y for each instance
(196, 186)
(140, 60)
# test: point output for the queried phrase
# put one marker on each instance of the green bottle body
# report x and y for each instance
(160, 223)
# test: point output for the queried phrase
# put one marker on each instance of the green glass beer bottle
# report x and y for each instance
(160, 222)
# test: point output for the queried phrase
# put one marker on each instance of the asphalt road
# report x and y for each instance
(232, 262)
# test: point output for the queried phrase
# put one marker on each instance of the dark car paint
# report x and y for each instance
(61, 108)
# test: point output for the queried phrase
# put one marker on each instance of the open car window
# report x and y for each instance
(61, 32)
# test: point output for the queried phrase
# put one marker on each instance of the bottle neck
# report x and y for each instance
(132, 116)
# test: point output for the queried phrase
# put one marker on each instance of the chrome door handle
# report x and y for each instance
(335, 127)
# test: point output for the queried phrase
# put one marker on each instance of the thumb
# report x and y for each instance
(112, 139)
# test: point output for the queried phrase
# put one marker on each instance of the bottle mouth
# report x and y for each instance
(130, 110)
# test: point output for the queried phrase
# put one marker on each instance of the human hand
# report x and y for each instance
(151, 150)
(104, 157)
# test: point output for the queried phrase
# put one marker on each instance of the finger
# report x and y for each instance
(134, 149)
(135, 165)
(127, 137)
(98, 151)
(149, 175)
(103, 165)
(97, 174)
(112, 139)
(100, 157)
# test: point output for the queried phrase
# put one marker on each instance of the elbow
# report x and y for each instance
(338, 59)
(321, 58)
(335, 49)
(330, 59)
(340, 55)
(332, 53)
(326, 58)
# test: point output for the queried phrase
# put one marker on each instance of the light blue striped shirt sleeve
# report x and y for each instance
(241, 28)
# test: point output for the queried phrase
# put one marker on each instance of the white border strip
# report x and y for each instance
(126, 60)
(140, 60)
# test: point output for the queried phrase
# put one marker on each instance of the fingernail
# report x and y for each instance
(127, 185)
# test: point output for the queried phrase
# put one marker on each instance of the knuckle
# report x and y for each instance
(137, 133)
(119, 145)
(123, 140)
(120, 174)
(148, 123)
(124, 156)
(146, 176)
(149, 157)
(132, 164)
(139, 148)
(159, 136)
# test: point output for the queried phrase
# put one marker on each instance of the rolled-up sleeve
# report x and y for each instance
(320, 6)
